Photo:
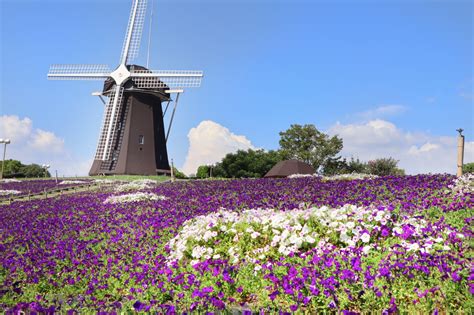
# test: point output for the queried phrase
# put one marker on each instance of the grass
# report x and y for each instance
(158, 178)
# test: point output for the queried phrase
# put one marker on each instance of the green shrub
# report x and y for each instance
(468, 168)
(384, 167)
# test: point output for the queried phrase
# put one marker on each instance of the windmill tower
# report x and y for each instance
(132, 139)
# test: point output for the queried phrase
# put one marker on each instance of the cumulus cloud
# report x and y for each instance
(46, 141)
(417, 152)
(34, 145)
(382, 111)
(14, 128)
(209, 142)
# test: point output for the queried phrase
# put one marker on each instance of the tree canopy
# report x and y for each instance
(245, 164)
(308, 144)
(14, 168)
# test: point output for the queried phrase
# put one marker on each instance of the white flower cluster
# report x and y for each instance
(104, 181)
(351, 176)
(463, 184)
(9, 180)
(9, 192)
(139, 196)
(268, 230)
(303, 175)
(137, 185)
(72, 182)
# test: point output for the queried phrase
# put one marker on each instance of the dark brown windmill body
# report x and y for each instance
(139, 145)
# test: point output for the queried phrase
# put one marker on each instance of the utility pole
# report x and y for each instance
(5, 142)
(460, 152)
(172, 171)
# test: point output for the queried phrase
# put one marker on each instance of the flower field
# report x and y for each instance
(305, 244)
(13, 187)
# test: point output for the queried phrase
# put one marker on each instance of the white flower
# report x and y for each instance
(138, 196)
(413, 247)
(398, 230)
(9, 192)
(72, 182)
(366, 249)
(350, 225)
(365, 237)
(254, 235)
(344, 237)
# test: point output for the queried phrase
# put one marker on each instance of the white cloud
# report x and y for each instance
(427, 147)
(30, 145)
(14, 128)
(209, 142)
(382, 111)
(46, 141)
(417, 152)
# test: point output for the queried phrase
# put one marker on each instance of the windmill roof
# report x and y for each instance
(290, 167)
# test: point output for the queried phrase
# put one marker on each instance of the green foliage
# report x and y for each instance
(246, 164)
(14, 168)
(308, 144)
(468, 168)
(384, 167)
(338, 166)
(34, 170)
(335, 166)
(356, 166)
(178, 174)
(203, 171)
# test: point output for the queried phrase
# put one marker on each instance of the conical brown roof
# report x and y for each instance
(289, 167)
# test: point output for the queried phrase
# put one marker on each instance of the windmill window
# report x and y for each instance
(141, 139)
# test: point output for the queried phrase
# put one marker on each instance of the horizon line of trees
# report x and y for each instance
(16, 169)
(301, 142)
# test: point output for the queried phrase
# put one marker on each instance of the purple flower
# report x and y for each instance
(273, 295)
(456, 277)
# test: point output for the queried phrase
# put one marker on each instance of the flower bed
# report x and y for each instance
(385, 244)
(25, 187)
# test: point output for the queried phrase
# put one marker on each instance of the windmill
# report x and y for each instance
(132, 139)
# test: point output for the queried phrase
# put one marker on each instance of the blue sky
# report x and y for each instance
(340, 65)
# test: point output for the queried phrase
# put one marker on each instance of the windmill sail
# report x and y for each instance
(166, 78)
(133, 36)
(79, 72)
(109, 124)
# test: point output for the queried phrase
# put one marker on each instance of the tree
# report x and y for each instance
(246, 164)
(356, 166)
(12, 168)
(178, 174)
(468, 168)
(384, 167)
(335, 166)
(203, 171)
(308, 144)
(34, 170)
